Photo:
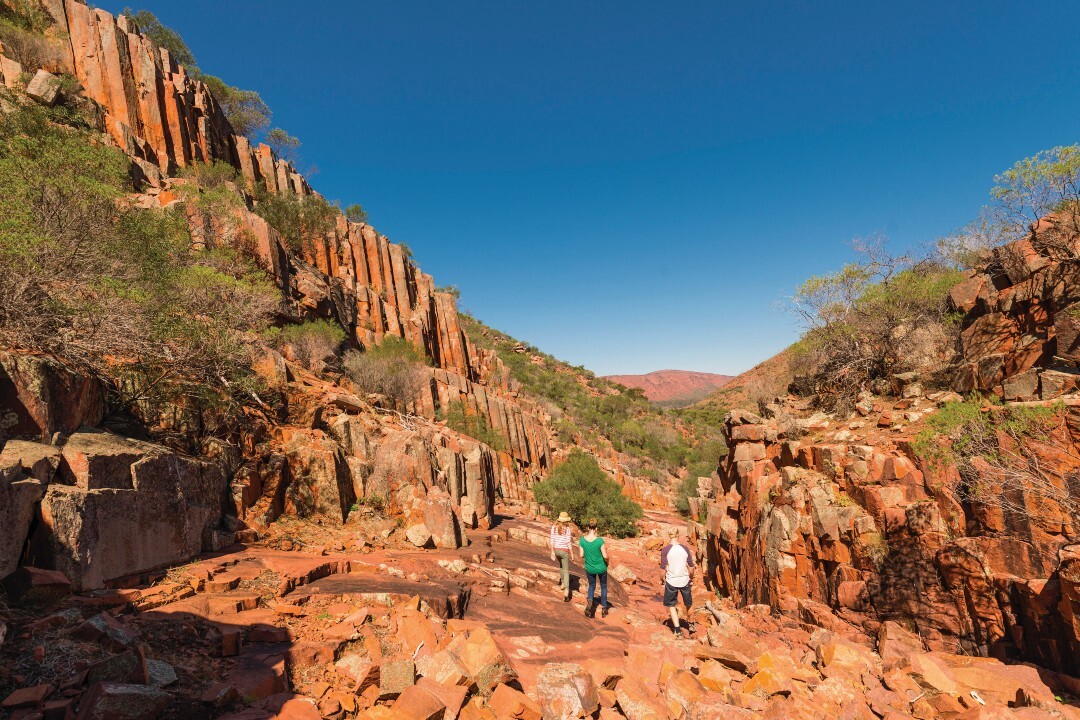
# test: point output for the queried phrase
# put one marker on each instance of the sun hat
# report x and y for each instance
(563, 518)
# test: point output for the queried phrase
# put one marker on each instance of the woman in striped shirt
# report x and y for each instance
(561, 541)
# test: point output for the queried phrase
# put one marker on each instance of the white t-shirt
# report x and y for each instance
(676, 559)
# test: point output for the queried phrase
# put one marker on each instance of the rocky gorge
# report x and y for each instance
(332, 555)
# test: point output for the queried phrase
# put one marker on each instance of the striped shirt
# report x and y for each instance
(560, 540)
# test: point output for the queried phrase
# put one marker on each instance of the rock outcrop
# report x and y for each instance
(1020, 335)
(805, 517)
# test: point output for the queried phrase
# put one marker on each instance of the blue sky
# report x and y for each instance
(637, 185)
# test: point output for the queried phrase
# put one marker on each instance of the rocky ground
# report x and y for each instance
(351, 629)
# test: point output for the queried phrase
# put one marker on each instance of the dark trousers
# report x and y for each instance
(603, 587)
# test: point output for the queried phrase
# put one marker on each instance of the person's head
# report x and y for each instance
(673, 533)
(592, 525)
(563, 520)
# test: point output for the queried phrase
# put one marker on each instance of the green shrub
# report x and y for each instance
(112, 287)
(394, 368)
(579, 487)
(244, 109)
(355, 213)
(688, 488)
(459, 418)
(298, 219)
(163, 36)
(311, 342)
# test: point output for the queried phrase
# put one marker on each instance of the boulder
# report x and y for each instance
(395, 676)
(36, 586)
(638, 702)
(481, 660)
(122, 701)
(44, 88)
(510, 704)
(40, 396)
(565, 692)
(417, 703)
(171, 505)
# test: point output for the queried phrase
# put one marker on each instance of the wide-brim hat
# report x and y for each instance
(563, 518)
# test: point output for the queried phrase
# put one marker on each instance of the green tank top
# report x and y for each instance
(594, 559)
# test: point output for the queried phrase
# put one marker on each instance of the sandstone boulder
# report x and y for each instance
(565, 692)
(44, 88)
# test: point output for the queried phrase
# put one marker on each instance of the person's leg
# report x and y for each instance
(603, 594)
(671, 599)
(564, 564)
(592, 587)
(688, 602)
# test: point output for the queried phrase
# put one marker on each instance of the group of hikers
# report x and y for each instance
(676, 566)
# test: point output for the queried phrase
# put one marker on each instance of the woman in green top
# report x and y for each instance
(594, 554)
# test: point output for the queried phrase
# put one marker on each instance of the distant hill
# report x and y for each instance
(765, 380)
(674, 388)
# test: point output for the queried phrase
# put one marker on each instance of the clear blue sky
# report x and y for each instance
(634, 186)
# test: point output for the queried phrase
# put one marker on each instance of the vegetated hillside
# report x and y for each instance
(673, 388)
(764, 381)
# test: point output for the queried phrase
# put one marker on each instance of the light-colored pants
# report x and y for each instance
(564, 561)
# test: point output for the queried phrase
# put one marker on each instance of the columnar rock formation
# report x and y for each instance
(333, 449)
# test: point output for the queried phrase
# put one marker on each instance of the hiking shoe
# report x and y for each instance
(691, 627)
(678, 633)
(604, 611)
(590, 610)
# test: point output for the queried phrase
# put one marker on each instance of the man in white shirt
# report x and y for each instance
(677, 562)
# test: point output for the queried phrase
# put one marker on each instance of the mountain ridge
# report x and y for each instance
(672, 387)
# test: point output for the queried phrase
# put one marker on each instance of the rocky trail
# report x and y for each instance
(254, 632)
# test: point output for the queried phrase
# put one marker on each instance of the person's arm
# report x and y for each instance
(603, 550)
(551, 542)
(689, 562)
(663, 563)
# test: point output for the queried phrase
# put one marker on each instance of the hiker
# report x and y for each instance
(677, 564)
(595, 556)
(560, 542)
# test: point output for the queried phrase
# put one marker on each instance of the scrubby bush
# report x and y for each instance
(582, 489)
(459, 418)
(687, 488)
(214, 198)
(163, 36)
(111, 287)
(299, 219)
(858, 317)
(26, 46)
(394, 368)
(311, 342)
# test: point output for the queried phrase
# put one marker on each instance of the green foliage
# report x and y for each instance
(597, 410)
(311, 342)
(449, 290)
(959, 431)
(1036, 186)
(283, 144)
(579, 487)
(299, 219)
(355, 213)
(111, 287)
(860, 318)
(688, 488)
(459, 418)
(394, 368)
(244, 109)
(21, 34)
(163, 36)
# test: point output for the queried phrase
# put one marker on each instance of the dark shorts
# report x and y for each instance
(671, 595)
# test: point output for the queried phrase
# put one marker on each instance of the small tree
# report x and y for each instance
(394, 368)
(163, 36)
(244, 109)
(581, 488)
(283, 144)
(1048, 182)
(355, 213)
